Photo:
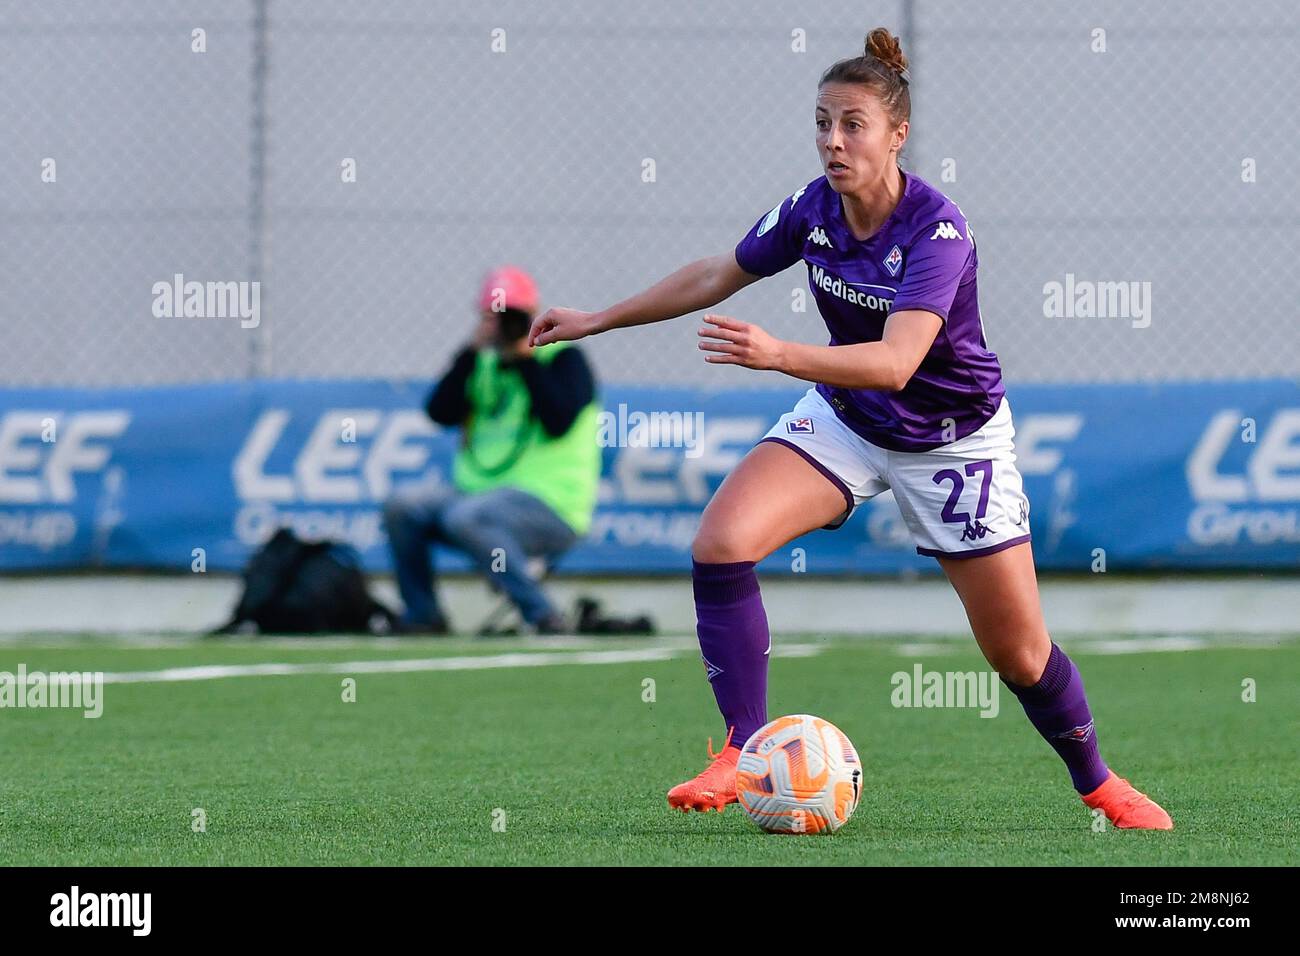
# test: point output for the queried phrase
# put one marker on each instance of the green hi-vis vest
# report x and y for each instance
(502, 445)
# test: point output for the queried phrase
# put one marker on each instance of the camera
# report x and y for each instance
(512, 325)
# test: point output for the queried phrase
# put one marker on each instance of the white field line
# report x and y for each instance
(1125, 645)
(497, 661)
(1146, 645)
(166, 641)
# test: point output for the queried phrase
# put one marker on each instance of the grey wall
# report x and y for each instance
(1122, 165)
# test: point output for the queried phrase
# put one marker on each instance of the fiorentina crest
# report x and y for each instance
(894, 261)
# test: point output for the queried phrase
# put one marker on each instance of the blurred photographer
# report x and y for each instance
(525, 476)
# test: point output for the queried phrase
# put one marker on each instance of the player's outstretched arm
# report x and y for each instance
(702, 284)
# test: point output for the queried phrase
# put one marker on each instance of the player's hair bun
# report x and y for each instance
(882, 68)
(884, 46)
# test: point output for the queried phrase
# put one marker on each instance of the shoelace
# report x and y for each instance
(730, 730)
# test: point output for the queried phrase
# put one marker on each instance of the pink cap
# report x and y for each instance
(508, 287)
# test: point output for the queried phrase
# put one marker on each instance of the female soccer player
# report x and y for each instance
(906, 396)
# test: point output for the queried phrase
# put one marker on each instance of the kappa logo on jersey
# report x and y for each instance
(818, 237)
(795, 198)
(894, 261)
(946, 230)
(799, 426)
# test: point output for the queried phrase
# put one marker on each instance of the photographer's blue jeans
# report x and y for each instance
(514, 521)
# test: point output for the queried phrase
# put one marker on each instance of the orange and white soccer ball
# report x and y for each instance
(799, 774)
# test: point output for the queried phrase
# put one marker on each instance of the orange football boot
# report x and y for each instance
(1126, 807)
(714, 787)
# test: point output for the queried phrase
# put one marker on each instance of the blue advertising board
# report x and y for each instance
(1187, 475)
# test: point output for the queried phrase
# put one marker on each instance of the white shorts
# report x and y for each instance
(960, 500)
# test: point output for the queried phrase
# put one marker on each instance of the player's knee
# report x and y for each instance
(1022, 667)
(714, 546)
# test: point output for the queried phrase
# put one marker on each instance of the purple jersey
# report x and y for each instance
(923, 257)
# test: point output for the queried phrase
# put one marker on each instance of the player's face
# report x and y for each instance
(855, 138)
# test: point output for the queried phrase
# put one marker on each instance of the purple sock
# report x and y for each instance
(734, 642)
(1058, 708)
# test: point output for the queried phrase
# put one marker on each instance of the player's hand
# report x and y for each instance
(739, 343)
(560, 325)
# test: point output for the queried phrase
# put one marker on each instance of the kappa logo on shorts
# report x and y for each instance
(799, 426)
(974, 531)
(894, 261)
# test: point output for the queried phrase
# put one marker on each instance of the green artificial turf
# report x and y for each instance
(575, 763)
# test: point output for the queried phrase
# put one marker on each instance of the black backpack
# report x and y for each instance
(295, 587)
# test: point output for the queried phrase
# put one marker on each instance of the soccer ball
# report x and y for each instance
(799, 774)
